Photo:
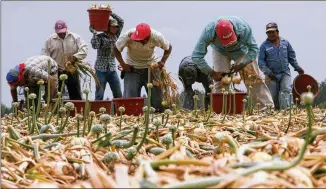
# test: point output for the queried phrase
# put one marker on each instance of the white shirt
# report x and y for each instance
(140, 55)
(59, 49)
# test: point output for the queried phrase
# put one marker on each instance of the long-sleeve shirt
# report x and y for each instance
(36, 68)
(105, 47)
(246, 45)
(276, 59)
(59, 49)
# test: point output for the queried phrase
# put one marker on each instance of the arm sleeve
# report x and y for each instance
(262, 60)
(82, 49)
(200, 52)
(96, 41)
(122, 41)
(162, 42)
(250, 41)
(46, 49)
(120, 24)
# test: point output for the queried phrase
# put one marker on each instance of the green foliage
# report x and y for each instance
(320, 100)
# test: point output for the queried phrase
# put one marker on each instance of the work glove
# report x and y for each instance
(237, 67)
(300, 71)
(216, 76)
(91, 29)
(272, 76)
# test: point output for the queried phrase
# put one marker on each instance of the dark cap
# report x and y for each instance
(271, 27)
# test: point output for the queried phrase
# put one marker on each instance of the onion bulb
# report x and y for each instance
(236, 79)
(226, 80)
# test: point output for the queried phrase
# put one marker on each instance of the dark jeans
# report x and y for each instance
(112, 78)
(73, 85)
(134, 81)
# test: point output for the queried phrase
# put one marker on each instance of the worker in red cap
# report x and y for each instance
(275, 55)
(64, 46)
(32, 71)
(231, 39)
(140, 43)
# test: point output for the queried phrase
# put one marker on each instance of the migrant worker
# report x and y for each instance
(32, 71)
(64, 46)
(275, 55)
(231, 38)
(105, 61)
(141, 42)
(189, 74)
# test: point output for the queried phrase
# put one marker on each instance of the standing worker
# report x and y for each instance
(275, 55)
(141, 42)
(189, 74)
(105, 61)
(29, 73)
(231, 39)
(64, 46)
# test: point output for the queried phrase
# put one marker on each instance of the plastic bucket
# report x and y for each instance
(300, 84)
(94, 105)
(218, 102)
(134, 106)
(99, 19)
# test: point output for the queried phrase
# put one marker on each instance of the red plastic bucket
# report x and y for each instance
(94, 105)
(218, 102)
(134, 106)
(99, 19)
(300, 84)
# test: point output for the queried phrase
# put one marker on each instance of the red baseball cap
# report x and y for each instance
(142, 31)
(225, 32)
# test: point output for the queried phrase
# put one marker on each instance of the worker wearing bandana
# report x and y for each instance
(189, 74)
(30, 72)
(231, 38)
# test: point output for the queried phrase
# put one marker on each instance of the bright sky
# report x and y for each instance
(26, 25)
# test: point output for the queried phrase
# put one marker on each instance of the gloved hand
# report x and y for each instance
(272, 76)
(91, 29)
(238, 67)
(300, 71)
(216, 75)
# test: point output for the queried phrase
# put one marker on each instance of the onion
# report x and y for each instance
(236, 79)
(261, 156)
(226, 80)
(79, 141)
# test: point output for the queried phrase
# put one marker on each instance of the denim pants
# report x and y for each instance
(112, 78)
(134, 81)
(280, 91)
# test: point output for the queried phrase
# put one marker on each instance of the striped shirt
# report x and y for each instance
(59, 49)
(36, 68)
(104, 44)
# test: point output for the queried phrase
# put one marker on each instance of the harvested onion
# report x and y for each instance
(236, 79)
(226, 80)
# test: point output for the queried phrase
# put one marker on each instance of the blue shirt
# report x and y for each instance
(246, 44)
(276, 59)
